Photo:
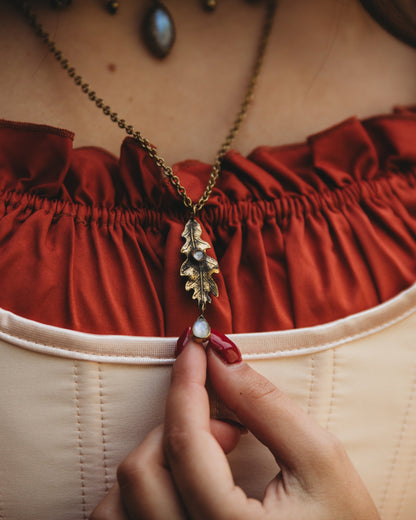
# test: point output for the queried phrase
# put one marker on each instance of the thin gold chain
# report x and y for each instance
(194, 207)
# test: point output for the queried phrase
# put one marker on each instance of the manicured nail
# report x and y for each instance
(225, 349)
(183, 340)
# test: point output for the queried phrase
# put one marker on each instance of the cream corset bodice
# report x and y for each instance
(72, 405)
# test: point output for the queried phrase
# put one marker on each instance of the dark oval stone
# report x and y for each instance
(158, 30)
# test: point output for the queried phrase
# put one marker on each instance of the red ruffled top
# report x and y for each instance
(304, 234)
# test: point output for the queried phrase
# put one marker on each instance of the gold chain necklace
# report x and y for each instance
(198, 267)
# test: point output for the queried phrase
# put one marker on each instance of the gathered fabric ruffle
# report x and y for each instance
(304, 234)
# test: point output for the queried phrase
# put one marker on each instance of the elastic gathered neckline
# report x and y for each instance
(304, 234)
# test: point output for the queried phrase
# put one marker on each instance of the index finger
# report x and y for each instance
(295, 439)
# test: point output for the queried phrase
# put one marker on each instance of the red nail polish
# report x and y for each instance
(225, 349)
(183, 340)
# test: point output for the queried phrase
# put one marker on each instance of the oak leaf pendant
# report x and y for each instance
(198, 266)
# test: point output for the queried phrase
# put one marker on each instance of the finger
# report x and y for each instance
(294, 438)
(197, 461)
(111, 507)
(226, 434)
(146, 487)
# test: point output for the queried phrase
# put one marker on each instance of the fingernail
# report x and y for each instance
(225, 349)
(183, 340)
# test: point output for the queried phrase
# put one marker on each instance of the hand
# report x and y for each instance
(180, 470)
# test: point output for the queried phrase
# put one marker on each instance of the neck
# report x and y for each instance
(331, 69)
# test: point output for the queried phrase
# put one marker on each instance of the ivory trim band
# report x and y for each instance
(138, 350)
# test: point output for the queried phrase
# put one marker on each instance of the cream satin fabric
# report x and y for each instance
(73, 405)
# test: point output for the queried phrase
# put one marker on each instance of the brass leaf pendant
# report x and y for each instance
(198, 266)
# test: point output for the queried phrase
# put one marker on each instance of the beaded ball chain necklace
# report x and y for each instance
(198, 267)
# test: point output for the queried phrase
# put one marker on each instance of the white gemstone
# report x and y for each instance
(201, 329)
(198, 255)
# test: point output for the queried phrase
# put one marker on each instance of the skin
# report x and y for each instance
(327, 60)
(180, 470)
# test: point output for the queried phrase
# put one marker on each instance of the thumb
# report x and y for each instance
(292, 436)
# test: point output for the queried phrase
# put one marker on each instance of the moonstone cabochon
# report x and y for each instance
(201, 329)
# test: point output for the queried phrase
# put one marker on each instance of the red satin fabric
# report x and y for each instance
(304, 234)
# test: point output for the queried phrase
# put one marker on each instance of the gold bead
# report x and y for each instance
(112, 6)
(210, 5)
